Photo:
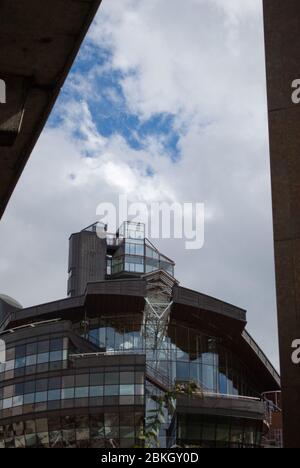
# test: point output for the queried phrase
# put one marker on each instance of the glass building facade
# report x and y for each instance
(103, 430)
(184, 355)
(86, 371)
(136, 254)
(62, 402)
(41, 387)
(218, 432)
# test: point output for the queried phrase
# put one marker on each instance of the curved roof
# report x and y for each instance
(11, 301)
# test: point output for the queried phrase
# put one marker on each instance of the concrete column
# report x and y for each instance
(282, 36)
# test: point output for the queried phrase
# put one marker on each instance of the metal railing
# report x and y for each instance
(29, 325)
(104, 353)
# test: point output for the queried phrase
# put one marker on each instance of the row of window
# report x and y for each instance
(57, 405)
(34, 363)
(212, 431)
(134, 248)
(185, 354)
(32, 370)
(71, 393)
(100, 430)
(36, 347)
(131, 257)
(70, 381)
(33, 359)
(211, 378)
(131, 230)
(134, 264)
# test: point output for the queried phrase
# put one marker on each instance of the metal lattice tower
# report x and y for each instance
(158, 307)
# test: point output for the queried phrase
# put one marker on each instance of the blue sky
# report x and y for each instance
(108, 105)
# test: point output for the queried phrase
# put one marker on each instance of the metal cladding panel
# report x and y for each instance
(39, 330)
(201, 301)
(129, 287)
(65, 309)
(126, 296)
(92, 361)
(87, 261)
(282, 38)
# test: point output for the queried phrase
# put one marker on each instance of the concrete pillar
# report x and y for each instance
(282, 37)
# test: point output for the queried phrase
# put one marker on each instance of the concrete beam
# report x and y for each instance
(13, 97)
(38, 44)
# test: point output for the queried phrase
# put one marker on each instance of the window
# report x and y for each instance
(40, 397)
(41, 385)
(56, 356)
(67, 393)
(43, 358)
(43, 347)
(17, 401)
(81, 392)
(53, 395)
(111, 390)
(126, 389)
(29, 398)
(96, 392)
(112, 378)
(20, 362)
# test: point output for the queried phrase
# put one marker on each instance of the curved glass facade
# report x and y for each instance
(110, 430)
(185, 354)
(218, 432)
(51, 396)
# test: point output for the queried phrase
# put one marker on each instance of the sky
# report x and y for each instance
(165, 102)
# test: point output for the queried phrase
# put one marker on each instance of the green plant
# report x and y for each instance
(165, 404)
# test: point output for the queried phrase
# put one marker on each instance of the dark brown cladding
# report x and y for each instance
(103, 297)
(282, 37)
(217, 406)
(87, 261)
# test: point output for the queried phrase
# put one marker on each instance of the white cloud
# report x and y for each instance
(203, 61)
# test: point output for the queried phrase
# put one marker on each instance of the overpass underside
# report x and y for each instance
(39, 41)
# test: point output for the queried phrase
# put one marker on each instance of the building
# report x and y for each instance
(86, 371)
(282, 26)
(126, 254)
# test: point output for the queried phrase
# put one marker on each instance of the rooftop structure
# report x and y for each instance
(96, 255)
